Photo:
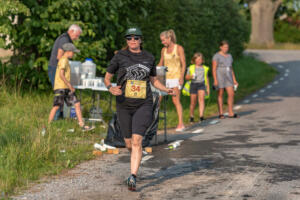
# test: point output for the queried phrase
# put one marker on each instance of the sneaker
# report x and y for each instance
(180, 129)
(131, 183)
(201, 119)
(191, 119)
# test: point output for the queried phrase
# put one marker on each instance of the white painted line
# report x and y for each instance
(144, 159)
(198, 130)
(226, 114)
(255, 95)
(262, 91)
(237, 107)
(287, 70)
(270, 86)
(214, 122)
(286, 74)
(275, 82)
(246, 101)
(281, 79)
(280, 66)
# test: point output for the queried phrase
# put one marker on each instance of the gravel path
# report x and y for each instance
(253, 157)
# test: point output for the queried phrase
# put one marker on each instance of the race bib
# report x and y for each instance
(135, 89)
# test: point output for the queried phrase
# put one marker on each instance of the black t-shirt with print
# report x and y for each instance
(132, 66)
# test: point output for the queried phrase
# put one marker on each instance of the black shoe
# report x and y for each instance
(131, 183)
(191, 119)
(201, 119)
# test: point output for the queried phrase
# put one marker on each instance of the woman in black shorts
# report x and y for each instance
(135, 68)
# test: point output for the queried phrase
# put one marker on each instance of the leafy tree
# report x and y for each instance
(39, 23)
(199, 26)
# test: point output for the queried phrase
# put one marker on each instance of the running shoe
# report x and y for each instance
(179, 129)
(191, 119)
(131, 183)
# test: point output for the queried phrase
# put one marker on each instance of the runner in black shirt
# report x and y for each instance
(135, 69)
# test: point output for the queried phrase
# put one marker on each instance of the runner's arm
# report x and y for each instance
(114, 90)
(156, 83)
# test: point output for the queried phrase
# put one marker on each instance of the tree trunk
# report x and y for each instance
(262, 21)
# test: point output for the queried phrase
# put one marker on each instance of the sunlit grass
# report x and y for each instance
(278, 46)
(25, 153)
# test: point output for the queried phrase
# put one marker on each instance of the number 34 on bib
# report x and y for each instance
(135, 89)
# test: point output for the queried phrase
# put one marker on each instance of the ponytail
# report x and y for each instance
(169, 34)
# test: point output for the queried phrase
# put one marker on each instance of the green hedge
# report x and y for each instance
(286, 33)
(199, 26)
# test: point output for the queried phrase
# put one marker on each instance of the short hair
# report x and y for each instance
(223, 42)
(169, 34)
(75, 28)
(195, 56)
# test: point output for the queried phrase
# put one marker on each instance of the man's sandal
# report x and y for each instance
(233, 116)
(221, 117)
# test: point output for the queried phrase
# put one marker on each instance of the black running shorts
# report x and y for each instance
(196, 86)
(64, 95)
(135, 120)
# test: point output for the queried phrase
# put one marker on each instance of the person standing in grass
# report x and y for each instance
(224, 78)
(135, 69)
(63, 90)
(57, 52)
(197, 85)
(172, 56)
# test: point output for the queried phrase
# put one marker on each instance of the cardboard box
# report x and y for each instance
(148, 149)
(97, 153)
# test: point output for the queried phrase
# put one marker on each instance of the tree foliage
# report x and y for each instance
(199, 26)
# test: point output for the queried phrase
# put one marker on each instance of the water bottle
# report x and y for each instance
(72, 112)
(174, 145)
(89, 68)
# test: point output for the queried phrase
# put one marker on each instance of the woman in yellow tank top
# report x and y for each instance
(172, 56)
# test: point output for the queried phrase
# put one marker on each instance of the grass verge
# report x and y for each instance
(278, 46)
(26, 154)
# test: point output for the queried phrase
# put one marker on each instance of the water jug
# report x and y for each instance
(89, 68)
(76, 70)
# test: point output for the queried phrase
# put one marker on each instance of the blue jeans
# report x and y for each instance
(51, 74)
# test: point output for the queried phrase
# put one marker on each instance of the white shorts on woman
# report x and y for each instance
(173, 83)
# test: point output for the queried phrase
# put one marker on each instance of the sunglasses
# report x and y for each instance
(128, 38)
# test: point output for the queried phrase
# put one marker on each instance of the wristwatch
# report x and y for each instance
(109, 86)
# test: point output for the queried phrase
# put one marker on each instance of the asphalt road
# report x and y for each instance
(255, 157)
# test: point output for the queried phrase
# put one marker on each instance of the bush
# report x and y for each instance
(286, 33)
(39, 23)
(199, 25)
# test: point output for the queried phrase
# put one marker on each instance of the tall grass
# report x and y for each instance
(251, 75)
(25, 153)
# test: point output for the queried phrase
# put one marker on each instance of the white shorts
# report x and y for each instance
(172, 83)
